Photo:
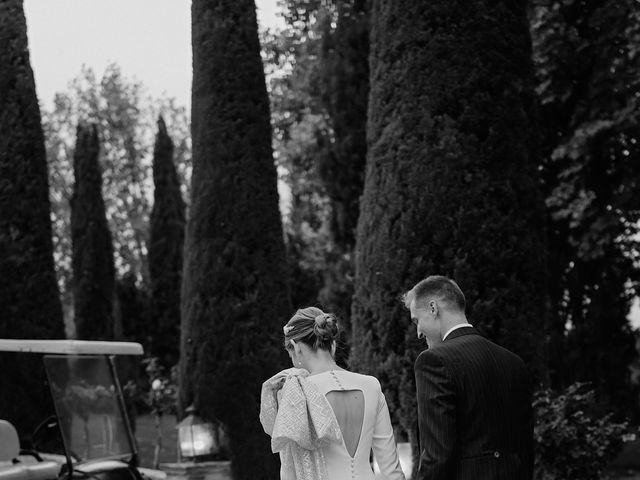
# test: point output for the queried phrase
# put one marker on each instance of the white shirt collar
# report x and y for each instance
(456, 327)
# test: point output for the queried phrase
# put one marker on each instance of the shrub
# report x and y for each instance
(162, 396)
(573, 439)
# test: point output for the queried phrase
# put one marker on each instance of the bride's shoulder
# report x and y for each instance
(365, 379)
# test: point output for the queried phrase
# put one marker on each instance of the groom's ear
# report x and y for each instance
(433, 307)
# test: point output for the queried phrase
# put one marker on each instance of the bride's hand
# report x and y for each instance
(277, 381)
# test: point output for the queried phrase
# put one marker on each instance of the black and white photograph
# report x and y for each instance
(319, 239)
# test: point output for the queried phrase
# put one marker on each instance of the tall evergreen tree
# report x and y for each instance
(166, 244)
(234, 291)
(126, 120)
(92, 258)
(451, 184)
(28, 290)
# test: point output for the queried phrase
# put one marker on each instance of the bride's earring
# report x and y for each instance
(297, 352)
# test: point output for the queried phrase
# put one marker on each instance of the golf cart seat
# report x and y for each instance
(10, 450)
(42, 470)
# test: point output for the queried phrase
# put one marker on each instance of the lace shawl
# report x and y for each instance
(300, 422)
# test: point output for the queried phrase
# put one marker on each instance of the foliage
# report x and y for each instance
(319, 91)
(572, 439)
(92, 260)
(166, 243)
(451, 184)
(300, 129)
(586, 62)
(125, 116)
(587, 58)
(234, 291)
(28, 291)
(85, 400)
(163, 389)
(344, 89)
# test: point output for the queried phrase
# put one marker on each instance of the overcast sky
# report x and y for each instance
(149, 39)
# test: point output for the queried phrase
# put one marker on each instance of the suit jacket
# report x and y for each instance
(474, 411)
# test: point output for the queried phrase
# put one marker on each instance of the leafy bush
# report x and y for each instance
(163, 390)
(573, 440)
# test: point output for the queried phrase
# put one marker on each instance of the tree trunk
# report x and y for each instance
(234, 291)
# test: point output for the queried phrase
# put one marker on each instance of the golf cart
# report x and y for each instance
(90, 435)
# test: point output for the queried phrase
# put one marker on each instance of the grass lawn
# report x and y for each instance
(146, 437)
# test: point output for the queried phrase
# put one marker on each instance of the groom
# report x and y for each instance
(474, 397)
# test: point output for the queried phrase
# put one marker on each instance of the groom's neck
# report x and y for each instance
(453, 319)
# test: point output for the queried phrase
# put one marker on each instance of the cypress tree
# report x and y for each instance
(234, 290)
(28, 289)
(92, 250)
(451, 184)
(166, 243)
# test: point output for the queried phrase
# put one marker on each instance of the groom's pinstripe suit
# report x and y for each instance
(474, 411)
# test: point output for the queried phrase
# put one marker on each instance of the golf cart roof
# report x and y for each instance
(70, 347)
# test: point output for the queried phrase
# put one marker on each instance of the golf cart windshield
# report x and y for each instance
(89, 406)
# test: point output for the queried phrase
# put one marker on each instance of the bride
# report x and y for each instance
(324, 421)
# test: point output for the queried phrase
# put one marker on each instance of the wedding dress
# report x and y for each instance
(326, 426)
(363, 416)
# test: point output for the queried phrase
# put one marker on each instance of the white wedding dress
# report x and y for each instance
(363, 416)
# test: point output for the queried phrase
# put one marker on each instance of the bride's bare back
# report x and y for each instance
(348, 407)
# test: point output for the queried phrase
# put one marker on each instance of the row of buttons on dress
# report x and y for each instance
(337, 380)
(341, 387)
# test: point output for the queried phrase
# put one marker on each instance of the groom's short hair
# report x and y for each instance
(438, 286)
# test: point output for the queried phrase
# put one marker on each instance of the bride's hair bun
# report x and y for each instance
(321, 320)
(314, 327)
(326, 327)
